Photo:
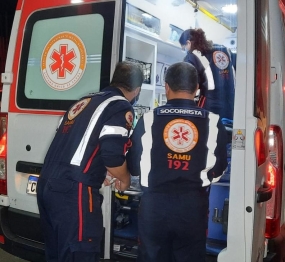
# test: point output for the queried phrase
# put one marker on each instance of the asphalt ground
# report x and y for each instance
(6, 257)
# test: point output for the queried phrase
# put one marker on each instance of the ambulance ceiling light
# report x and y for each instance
(230, 9)
(152, 1)
(177, 2)
(76, 1)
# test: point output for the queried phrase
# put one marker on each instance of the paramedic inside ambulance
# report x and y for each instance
(193, 59)
(92, 138)
(220, 72)
(178, 150)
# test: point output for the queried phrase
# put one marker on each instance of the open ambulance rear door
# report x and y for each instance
(257, 141)
(59, 51)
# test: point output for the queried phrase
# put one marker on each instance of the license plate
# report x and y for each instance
(32, 185)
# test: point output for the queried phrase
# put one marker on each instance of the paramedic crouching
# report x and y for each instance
(93, 137)
(178, 150)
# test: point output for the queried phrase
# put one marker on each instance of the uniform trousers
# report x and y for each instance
(173, 227)
(71, 220)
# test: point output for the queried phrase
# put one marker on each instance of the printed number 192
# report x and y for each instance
(176, 164)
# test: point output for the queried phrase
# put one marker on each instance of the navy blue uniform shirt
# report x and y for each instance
(202, 77)
(221, 99)
(94, 133)
(178, 147)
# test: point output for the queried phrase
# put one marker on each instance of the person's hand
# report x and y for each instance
(121, 186)
(122, 174)
(109, 180)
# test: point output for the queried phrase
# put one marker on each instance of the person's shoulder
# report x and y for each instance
(195, 61)
(157, 109)
(191, 55)
(121, 106)
(215, 45)
(111, 97)
(218, 47)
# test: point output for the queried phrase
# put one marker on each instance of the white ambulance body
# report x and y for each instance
(62, 50)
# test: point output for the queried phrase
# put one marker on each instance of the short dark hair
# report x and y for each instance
(127, 75)
(182, 76)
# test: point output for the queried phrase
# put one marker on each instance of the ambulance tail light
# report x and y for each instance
(274, 178)
(3, 154)
(259, 147)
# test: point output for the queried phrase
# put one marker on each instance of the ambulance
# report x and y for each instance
(61, 50)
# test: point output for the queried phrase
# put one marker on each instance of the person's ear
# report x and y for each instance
(190, 44)
(197, 87)
(138, 90)
(166, 89)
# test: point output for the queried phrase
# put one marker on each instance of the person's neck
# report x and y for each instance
(126, 94)
(180, 95)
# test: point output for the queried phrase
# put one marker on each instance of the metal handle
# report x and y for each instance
(132, 193)
(264, 193)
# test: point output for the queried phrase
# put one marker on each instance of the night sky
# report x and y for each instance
(7, 5)
(7, 11)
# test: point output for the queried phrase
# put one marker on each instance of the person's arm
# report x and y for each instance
(202, 77)
(122, 174)
(221, 154)
(114, 143)
(134, 154)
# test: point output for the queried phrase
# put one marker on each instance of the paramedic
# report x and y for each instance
(193, 59)
(91, 139)
(178, 150)
(220, 96)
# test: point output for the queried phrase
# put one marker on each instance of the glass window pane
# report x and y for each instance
(67, 55)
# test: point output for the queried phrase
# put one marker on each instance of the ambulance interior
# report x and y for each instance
(152, 31)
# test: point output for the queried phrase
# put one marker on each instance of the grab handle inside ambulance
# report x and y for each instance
(264, 193)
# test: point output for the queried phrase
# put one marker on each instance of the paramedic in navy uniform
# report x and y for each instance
(221, 82)
(178, 151)
(93, 137)
(191, 58)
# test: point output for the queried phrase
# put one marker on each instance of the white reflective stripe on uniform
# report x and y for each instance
(113, 130)
(59, 122)
(211, 144)
(77, 158)
(145, 163)
(204, 177)
(211, 82)
(216, 179)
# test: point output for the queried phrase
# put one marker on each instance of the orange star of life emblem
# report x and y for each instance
(180, 135)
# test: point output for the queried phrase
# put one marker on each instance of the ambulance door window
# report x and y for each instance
(66, 55)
